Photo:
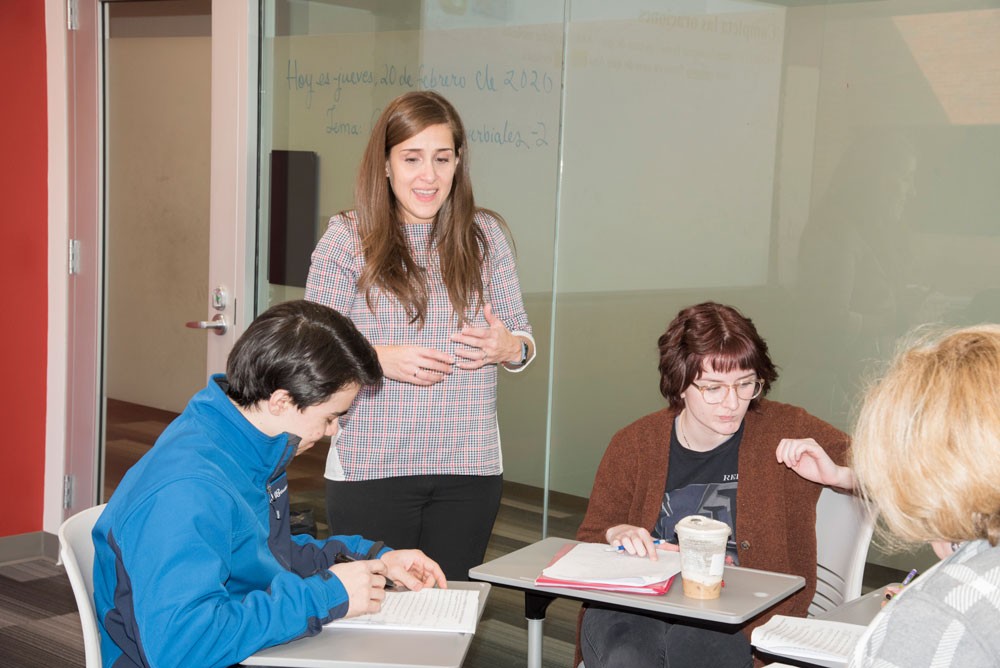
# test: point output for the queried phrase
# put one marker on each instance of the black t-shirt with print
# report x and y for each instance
(701, 483)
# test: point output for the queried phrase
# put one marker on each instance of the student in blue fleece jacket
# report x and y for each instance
(195, 564)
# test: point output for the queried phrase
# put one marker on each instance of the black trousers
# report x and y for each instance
(449, 517)
(618, 639)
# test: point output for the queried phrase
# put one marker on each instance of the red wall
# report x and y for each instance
(23, 268)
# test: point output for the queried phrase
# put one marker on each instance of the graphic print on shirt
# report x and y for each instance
(715, 500)
(701, 483)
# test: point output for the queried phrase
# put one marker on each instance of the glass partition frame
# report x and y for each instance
(827, 167)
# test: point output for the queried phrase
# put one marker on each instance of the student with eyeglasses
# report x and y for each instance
(721, 450)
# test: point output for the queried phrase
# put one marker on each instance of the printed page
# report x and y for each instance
(807, 638)
(448, 610)
(600, 563)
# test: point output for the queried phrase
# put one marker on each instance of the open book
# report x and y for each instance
(599, 566)
(807, 639)
(430, 609)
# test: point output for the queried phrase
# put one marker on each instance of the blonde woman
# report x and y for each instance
(926, 454)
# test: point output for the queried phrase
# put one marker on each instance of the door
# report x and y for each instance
(157, 66)
(223, 254)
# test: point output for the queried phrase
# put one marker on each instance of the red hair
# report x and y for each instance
(712, 335)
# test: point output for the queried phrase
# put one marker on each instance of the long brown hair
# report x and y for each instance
(461, 245)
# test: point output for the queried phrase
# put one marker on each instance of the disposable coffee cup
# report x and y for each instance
(702, 541)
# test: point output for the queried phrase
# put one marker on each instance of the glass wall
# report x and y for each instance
(827, 167)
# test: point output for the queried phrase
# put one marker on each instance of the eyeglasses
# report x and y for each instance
(716, 393)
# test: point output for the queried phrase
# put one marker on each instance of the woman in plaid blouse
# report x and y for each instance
(430, 279)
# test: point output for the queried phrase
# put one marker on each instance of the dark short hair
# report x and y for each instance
(307, 349)
(713, 333)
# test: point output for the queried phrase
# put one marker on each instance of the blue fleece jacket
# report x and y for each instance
(194, 562)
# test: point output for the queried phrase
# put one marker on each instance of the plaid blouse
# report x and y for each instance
(394, 428)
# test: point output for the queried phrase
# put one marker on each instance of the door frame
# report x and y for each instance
(232, 217)
(232, 237)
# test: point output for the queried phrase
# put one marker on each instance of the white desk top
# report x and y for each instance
(861, 610)
(747, 592)
(336, 647)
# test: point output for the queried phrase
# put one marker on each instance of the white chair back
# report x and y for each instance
(843, 533)
(76, 551)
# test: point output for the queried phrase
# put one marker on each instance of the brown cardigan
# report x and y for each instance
(775, 507)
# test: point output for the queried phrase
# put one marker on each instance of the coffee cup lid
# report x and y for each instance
(705, 525)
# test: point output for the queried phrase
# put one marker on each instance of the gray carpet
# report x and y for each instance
(39, 625)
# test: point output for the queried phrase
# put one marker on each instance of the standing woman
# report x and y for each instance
(430, 279)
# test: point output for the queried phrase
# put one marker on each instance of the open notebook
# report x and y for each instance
(599, 566)
(806, 639)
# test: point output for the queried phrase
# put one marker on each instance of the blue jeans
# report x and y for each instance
(612, 638)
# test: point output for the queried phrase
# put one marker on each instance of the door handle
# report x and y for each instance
(216, 324)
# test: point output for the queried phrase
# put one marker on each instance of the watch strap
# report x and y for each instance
(524, 354)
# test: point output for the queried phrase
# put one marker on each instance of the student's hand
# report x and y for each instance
(365, 585)
(413, 569)
(487, 345)
(808, 458)
(891, 591)
(636, 540)
(414, 364)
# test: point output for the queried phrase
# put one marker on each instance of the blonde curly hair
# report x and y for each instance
(926, 449)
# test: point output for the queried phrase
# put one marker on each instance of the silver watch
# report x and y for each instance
(524, 355)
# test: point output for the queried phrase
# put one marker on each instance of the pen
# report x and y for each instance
(343, 558)
(656, 541)
(907, 580)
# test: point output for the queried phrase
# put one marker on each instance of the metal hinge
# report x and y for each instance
(68, 481)
(72, 15)
(74, 256)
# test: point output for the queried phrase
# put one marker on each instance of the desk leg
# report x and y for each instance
(535, 633)
(534, 610)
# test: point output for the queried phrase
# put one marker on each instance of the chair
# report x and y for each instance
(843, 533)
(76, 551)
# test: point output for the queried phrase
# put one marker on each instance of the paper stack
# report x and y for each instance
(821, 642)
(430, 609)
(599, 566)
